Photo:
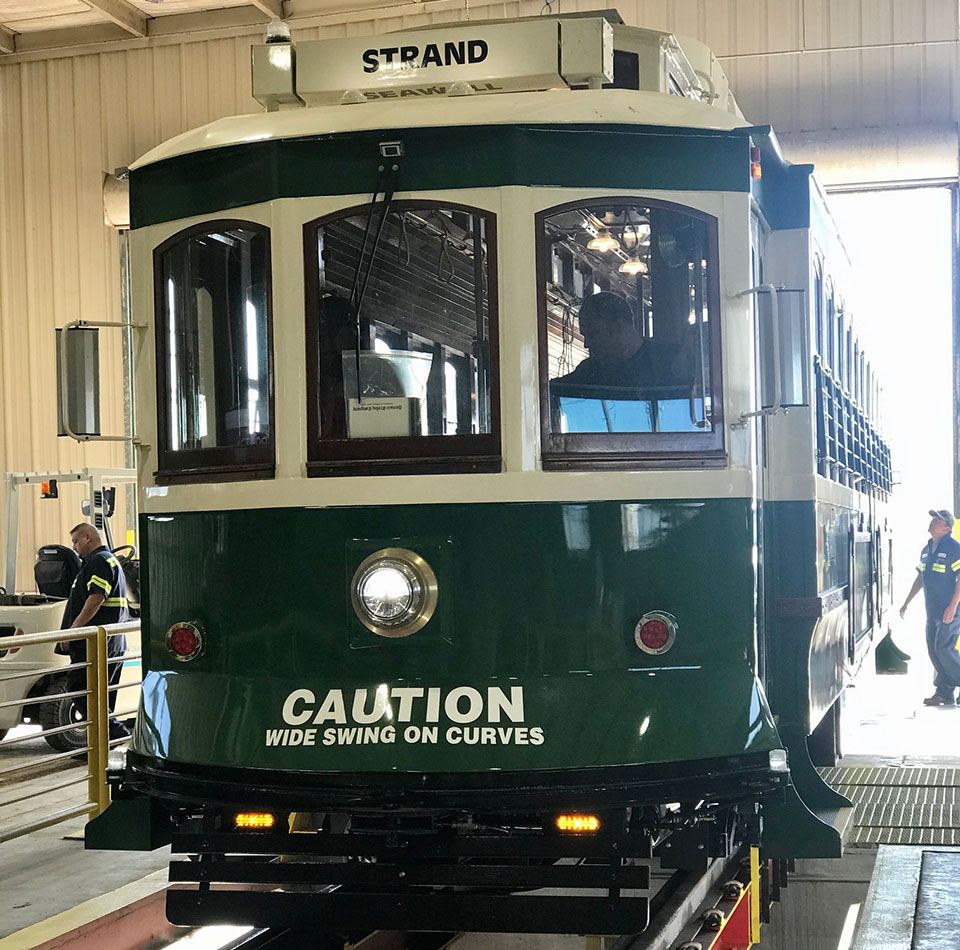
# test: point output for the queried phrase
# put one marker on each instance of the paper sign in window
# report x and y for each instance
(380, 417)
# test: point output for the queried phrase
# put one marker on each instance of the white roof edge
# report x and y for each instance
(561, 107)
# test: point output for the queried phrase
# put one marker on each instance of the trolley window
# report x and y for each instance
(214, 352)
(831, 354)
(402, 340)
(629, 335)
(818, 305)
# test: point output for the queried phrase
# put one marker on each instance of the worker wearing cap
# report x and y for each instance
(938, 573)
(98, 597)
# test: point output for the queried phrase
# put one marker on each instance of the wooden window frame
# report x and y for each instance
(399, 455)
(222, 462)
(829, 356)
(819, 306)
(625, 451)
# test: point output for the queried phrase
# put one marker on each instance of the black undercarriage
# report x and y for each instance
(730, 779)
(448, 852)
(444, 873)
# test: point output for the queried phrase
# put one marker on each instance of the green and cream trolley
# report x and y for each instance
(423, 585)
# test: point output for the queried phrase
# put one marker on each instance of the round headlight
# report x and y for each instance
(394, 592)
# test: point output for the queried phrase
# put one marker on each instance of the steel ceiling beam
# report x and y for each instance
(272, 8)
(8, 40)
(124, 15)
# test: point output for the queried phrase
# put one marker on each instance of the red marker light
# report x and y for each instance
(656, 632)
(184, 641)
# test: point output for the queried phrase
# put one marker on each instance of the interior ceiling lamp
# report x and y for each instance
(603, 241)
(633, 265)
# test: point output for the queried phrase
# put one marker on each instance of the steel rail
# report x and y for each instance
(45, 791)
(63, 815)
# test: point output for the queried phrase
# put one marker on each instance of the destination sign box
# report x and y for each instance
(483, 59)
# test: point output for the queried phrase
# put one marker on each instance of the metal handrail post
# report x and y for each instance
(93, 704)
(103, 720)
(95, 687)
(97, 718)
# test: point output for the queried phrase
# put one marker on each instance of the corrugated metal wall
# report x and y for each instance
(69, 116)
(64, 122)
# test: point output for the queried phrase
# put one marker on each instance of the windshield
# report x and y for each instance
(417, 364)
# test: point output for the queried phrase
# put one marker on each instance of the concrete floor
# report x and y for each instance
(47, 872)
(884, 721)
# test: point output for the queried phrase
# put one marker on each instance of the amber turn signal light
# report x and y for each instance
(578, 824)
(254, 821)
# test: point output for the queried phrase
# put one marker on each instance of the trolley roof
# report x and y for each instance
(570, 70)
(557, 107)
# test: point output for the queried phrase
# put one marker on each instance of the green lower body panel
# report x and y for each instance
(814, 820)
(637, 717)
(530, 661)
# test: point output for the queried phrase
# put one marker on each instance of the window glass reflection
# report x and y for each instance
(416, 361)
(628, 320)
(213, 320)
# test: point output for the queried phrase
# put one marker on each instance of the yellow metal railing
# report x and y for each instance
(14, 778)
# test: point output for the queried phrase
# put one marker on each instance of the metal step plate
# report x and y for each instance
(900, 805)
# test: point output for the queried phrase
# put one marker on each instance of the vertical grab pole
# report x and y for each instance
(775, 341)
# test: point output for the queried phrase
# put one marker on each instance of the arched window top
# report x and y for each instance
(214, 352)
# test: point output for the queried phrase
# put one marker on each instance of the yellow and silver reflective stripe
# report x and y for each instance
(920, 567)
(111, 560)
(955, 566)
(100, 582)
(115, 602)
(939, 568)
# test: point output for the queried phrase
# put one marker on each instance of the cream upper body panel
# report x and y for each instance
(559, 106)
(522, 478)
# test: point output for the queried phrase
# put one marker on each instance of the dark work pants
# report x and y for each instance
(77, 679)
(943, 641)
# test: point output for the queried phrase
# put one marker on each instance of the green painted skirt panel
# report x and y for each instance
(570, 721)
(807, 553)
(543, 598)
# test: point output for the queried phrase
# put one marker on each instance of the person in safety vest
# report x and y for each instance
(939, 574)
(98, 597)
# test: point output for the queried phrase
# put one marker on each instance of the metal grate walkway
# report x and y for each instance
(900, 805)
